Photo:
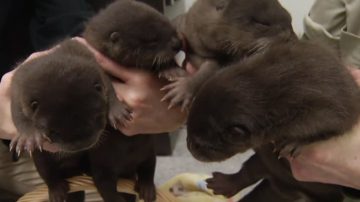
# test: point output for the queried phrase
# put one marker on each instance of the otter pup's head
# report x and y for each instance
(221, 118)
(233, 111)
(64, 97)
(134, 34)
(239, 27)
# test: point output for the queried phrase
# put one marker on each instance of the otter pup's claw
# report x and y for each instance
(119, 114)
(172, 74)
(26, 143)
(179, 93)
(292, 150)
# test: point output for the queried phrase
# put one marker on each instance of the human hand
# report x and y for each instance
(7, 127)
(140, 90)
(335, 161)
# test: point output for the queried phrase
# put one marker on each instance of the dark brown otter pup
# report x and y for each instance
(135, 35)
(221, 32)
(293, 94)
(64, 97)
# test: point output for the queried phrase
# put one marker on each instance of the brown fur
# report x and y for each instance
(74, 101)
(293, 94)
(221, 32)
(48, 95)
(135, 35)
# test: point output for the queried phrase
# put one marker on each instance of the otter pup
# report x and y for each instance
(69, 105)
(134, 34)
(65, 98)
(293, 94)
(221, 32)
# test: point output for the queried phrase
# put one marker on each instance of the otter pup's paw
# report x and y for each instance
(173, 73)
(223, 184)
(58, 192)
(147, 191)
(119, 114)
(179, 93)
(293, 150)
(28, 142)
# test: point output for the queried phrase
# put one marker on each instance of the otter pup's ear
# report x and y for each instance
(220, 5)
(34, 105)
(114, 37)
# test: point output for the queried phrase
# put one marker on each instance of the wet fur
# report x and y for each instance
(291, 95)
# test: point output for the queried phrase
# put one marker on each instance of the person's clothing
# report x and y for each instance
(27, 26)
(21, 177)
(336, 23)
(53, 20)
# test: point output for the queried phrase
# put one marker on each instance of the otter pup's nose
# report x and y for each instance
(176, 44)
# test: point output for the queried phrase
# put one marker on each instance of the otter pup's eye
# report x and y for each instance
(236, 132)
(98, 87)
(114, 36)
(260, 23)
(220, 5)
(34, 105)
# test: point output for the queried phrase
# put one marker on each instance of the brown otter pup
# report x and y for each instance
(221, 32)
(69, 105)
(293, 94)
(64, 97)
(135, 35)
